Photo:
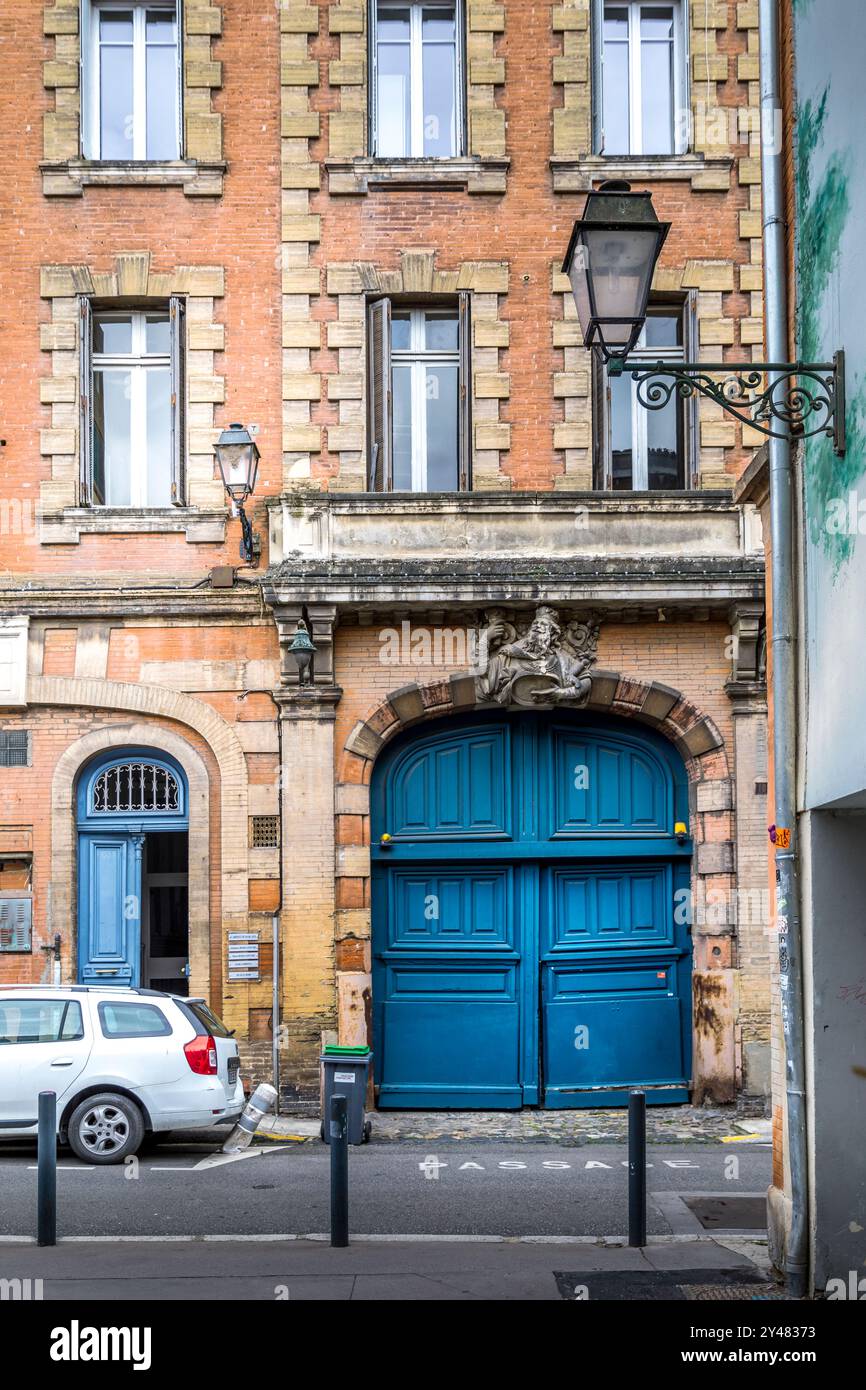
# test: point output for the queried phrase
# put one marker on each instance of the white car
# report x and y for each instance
(122, 1062)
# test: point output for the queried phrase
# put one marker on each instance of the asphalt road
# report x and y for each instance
(470, 1188)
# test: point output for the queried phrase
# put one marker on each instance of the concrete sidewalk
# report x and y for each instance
(396, 1269)
(681, 1124)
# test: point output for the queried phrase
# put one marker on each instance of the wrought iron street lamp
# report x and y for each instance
(238, 460)
(610, 261)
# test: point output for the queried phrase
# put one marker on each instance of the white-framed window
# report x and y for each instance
(132, 80)
(132, 405)
(417, 88)
(642, 450)
(643, 78)
(418, 396)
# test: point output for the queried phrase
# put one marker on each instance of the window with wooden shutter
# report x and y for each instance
(133, 406)
(419, 396)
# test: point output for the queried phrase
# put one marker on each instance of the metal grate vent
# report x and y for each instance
(14, 748)
(264, 832)
(16, 920)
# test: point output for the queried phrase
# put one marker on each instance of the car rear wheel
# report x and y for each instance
(106, 1128)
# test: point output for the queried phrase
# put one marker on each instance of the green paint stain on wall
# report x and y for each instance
(823, 207)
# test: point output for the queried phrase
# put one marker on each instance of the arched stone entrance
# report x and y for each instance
(105, 743)
(701, 747)
(133, 871)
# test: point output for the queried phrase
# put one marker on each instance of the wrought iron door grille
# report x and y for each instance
(134, 787)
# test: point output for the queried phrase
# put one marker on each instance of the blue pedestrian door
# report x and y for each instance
(133, 926)
(527, 944)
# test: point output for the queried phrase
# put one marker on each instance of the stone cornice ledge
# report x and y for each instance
(66, 527)
(666, 581)
(707, 174)
(69, 177)
(475, 173)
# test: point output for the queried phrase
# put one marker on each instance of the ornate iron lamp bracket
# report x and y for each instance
(251, 545)
(785, 400)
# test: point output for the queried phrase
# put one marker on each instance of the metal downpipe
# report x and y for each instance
(783, 639)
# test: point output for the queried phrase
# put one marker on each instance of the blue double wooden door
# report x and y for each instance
(529, 930)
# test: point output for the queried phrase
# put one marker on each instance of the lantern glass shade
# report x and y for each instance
(238, 460)
(610, 262)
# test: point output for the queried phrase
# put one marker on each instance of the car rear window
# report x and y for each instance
(40, 1020)
(204, 1019)
(133, 1021)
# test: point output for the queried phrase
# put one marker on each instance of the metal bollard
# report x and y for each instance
(637, 1168)
(46, 1170)
(260, 1104)
(339, 1146)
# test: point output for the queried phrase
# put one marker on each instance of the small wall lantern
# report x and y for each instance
(303, 650)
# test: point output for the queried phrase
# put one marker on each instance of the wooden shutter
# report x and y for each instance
(85, 402)
(689, 407)
(181, 142)
(84, 51)
(462, 66)
(602, 467)
(177, 315)
(596, 86)
(379, 376)
(464, 394)
(372, 80)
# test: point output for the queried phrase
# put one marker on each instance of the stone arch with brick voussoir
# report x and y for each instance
(151, 703)
(715, 1066)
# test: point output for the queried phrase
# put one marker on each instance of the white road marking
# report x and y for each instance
(66, 1167)
(217, 1160)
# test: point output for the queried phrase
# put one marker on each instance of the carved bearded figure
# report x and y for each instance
(547, 665)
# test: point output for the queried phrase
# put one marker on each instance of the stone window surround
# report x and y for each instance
(484, 167)
(199, 173)
(61, 519)
(353, 284)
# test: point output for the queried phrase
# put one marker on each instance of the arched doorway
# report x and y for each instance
(133, 871)
(527, 947)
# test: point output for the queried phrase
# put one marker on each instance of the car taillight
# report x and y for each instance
(202, 1055)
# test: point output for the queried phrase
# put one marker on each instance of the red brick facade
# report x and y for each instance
(277, 243)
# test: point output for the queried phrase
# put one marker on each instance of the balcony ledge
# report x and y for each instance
(467, 547)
